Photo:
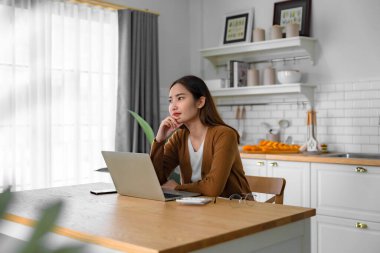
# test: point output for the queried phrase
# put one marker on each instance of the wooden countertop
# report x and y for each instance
(313, 158)
(139, 225)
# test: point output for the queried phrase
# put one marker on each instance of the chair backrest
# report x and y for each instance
(269, 185)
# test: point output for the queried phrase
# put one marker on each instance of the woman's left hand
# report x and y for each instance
(170, 185)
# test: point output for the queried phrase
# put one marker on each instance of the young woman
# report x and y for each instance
(205, 148)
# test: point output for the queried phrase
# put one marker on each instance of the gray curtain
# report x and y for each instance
(138, 84)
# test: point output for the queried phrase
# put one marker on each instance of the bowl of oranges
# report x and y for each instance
(271, 147)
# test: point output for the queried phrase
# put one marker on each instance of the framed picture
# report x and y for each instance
(238, 27)
(295, 11)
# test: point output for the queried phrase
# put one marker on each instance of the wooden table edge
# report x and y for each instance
(83, 237)
(204, 243)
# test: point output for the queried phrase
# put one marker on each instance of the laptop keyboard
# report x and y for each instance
(169, 195)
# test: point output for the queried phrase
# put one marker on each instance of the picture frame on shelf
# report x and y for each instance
(238, 27)
(295, 11)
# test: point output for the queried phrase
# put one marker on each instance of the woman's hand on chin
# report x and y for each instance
(167, 127)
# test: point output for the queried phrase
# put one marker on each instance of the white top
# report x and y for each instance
(195, 161)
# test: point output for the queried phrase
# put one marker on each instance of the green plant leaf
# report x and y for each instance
(144, 125)
(43, 226)
(34, 247)
(69, 249)
(47, 220)
(5, 199)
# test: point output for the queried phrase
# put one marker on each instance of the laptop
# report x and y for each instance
(133, 175)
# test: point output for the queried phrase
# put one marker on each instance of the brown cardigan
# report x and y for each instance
(222, 170)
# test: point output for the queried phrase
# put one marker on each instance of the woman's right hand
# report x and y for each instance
(167, 127)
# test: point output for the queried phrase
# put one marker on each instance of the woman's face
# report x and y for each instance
(182, 105)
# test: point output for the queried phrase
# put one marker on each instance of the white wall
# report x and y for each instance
(347, 71)
(347, 32)
(210, 32)
(349, 39)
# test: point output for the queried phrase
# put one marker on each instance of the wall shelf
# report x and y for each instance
(306, 90)
(295, 47)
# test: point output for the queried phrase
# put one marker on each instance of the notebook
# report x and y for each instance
(133, 175)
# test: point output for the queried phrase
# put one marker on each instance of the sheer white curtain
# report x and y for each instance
(58, 70)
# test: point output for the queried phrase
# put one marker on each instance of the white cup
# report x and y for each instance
(258, 35)
(269, 76)
(292, 30)
(252, 77)
(276, 32)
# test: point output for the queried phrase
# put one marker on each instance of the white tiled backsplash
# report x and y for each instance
(347, 116)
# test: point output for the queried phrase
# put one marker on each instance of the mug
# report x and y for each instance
(292, 30)
(276, 32)
(258, 35)
(252, 77)
(269, 76)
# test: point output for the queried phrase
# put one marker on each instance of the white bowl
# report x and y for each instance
(289, 76)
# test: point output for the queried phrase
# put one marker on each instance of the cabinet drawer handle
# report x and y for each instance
(260, 163)
(274, 164)
(361, 225)
(361, 170)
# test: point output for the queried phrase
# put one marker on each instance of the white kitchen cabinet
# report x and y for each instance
(255, 167)
(346, 191)
(347, 201)
(345, 235)
(346, 198)
(297, 176)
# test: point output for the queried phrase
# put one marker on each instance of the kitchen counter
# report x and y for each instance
(302, 157)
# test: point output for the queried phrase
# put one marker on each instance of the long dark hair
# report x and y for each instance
(208, 114)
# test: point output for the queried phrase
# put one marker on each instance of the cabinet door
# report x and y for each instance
(344, 235)
(255, 167)
(346, 191)
(297, 176)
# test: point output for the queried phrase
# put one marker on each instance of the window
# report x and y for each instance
(58, 69)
